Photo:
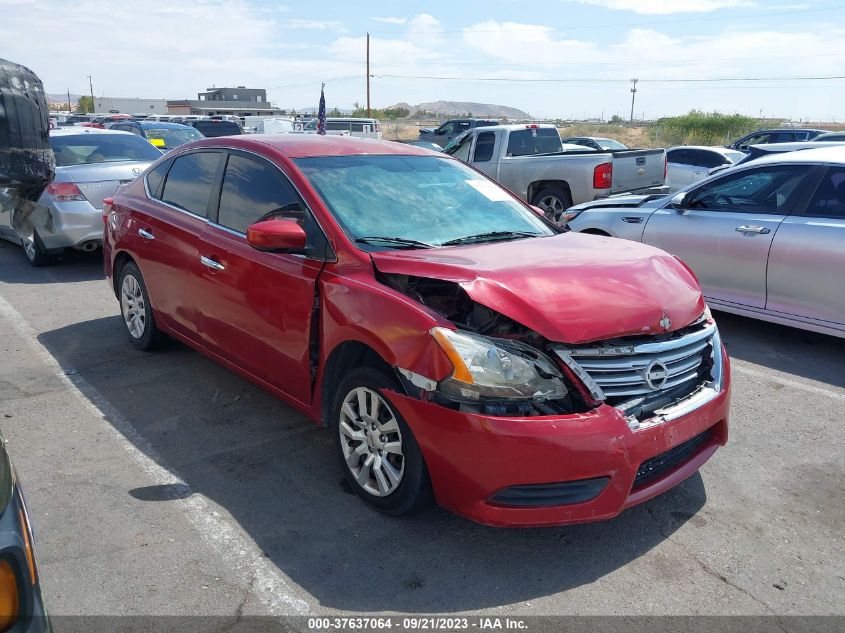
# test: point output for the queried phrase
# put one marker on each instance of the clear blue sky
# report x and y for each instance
(175, 48)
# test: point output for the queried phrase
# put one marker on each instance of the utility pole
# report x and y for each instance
(69, 107)
(368, 75)
(91, 86)
(633, 96)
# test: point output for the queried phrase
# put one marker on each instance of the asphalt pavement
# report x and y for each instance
(161, 483)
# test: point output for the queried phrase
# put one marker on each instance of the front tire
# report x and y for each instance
(136, 311)
(553, 201)
(379, 455)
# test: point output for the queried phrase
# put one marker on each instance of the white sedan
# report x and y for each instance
(691, 163)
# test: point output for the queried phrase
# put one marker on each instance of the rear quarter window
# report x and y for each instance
(155, 177)
(190, 181)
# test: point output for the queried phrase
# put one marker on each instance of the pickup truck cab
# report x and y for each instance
(530, 161)
(451, 130)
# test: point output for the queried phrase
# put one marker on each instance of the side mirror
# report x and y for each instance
(276, 236)
(678, 201)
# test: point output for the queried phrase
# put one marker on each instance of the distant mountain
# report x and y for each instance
(452, 108)
(61, 97)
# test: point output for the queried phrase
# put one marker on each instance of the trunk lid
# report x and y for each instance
(637, 169)
(100, 180)
(570, 288)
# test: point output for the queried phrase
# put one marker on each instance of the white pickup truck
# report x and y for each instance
(530, 161)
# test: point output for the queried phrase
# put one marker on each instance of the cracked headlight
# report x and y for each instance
(488, 369)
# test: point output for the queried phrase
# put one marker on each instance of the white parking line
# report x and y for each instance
(226, 537)
(822, 391)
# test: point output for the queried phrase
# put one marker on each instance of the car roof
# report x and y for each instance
(786, 147)
(77, 130)
(160, 125)
(826, 135)
(831, 154)
(314, 145)
(719, 149)
(785, 129)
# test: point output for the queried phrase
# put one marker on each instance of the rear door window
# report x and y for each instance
(711, 159)
(829, 199)
(533, 141)
(191, 180)
(484, 145)
(681, 156)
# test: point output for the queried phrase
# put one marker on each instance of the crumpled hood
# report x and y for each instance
(570, 288)
(628, 200)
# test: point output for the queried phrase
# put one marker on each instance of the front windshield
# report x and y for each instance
(85, 149)
(609, 143)
(173, 137)
(423, 199)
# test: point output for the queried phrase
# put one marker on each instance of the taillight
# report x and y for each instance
(65, 191)
(602, 176)
(378, 127)
(107, 206)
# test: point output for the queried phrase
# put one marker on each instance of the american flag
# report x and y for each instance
(321, 113)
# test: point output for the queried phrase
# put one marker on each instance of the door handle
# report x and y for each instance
(146, 234)
(759, 230)
(211, 263)
(633, 219)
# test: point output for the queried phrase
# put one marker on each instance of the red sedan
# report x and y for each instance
(459, 348)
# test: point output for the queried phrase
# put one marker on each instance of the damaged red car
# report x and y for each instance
(458, 347)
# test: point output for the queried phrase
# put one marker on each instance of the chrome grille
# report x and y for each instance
(619, 372)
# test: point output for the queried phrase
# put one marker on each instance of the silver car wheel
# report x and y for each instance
(552, 205)
(133, 307)
(371, 442)
(29, 248)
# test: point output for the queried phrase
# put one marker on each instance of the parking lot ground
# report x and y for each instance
(160, 483)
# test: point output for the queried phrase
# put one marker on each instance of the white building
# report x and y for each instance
(119, 105)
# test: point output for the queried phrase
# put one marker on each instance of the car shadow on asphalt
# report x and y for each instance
(276, 474)
(782, 348)
(71, 266)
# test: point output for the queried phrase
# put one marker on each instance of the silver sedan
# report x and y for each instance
(766, 239)
(90, 165)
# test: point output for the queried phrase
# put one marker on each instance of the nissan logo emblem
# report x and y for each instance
(656, 375)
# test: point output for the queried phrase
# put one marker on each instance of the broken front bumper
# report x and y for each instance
(578, 468)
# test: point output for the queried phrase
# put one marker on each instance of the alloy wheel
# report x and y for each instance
(133, 307)
(29, 249)
(552, 206)
(371, 442)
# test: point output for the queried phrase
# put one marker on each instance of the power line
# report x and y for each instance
(615, 25)
(598, 80)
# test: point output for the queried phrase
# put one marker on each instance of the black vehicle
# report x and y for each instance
(213, 128)
(830, 137)
(778, 135)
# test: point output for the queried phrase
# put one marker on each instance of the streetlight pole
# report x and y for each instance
(91, 86)
(633, 96)
(368, 75)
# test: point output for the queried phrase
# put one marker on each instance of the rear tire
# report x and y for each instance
(35, 252)
(379, 455)
(136, 311)
(553, 201)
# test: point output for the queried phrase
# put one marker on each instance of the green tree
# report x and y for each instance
(702, 128)
(85, 105)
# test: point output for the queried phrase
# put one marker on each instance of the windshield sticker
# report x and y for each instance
(489, 190)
